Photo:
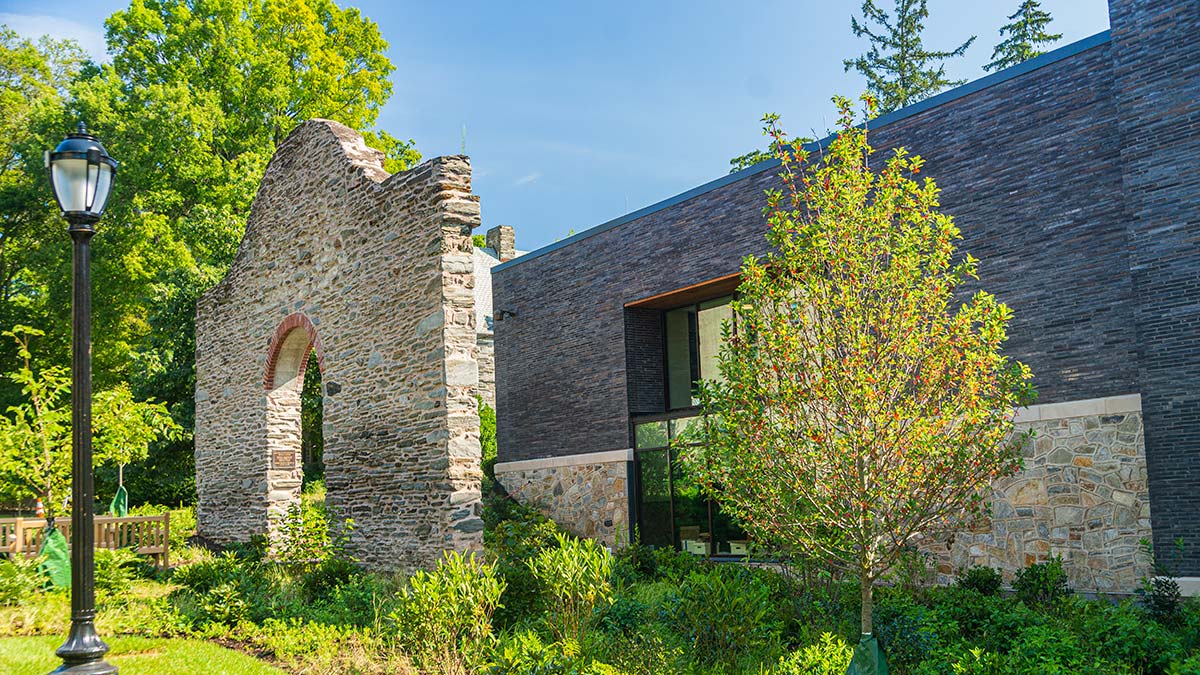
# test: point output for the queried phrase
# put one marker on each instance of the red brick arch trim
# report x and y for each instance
(275, 345)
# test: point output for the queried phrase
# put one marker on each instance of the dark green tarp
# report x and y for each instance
(120, 503)
(56, 559)
(868, 658)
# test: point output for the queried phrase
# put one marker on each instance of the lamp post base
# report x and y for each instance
(83, 652)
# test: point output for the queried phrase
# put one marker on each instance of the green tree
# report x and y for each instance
(197, 96)
(1025, 34)
(899, 69)
(754, 157)
(33, 77)
(860, 403)
(749, 159)
(35, 437)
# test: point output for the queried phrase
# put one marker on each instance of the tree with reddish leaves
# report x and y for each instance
(861, 401)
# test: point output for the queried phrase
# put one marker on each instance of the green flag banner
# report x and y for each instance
(120, 503)
(56, 559)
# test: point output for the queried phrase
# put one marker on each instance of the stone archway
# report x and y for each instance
(374, 272)
(287, 358)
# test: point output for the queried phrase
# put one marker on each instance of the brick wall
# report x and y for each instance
(644, 360)
(1156, 64)
(1029, 169)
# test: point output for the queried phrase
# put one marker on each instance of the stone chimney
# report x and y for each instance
(503, 241)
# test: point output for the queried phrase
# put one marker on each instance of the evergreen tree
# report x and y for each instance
(899, 69)
(1025, 34)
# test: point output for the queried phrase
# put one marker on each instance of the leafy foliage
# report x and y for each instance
(116, 569)
(193, 104)
(1026, 34)
(19, 579)
(312, 415)
(512, 544)
(575, 578)
(725, 611)
(830, 655)
(1042, 583)
(35, 437)
(306, 539)
(444, 617)
(899, 69)
(859, 402)
(982, 580)
(1161, 594)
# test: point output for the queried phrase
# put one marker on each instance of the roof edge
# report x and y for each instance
(985, 82)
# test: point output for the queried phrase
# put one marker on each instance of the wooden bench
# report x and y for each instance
(146, 535)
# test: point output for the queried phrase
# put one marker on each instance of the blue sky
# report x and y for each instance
(576, 113)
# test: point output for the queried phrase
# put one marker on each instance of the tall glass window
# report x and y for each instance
(672, 508)
(693, 337)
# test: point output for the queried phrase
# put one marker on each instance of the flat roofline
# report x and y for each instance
(1066, 51)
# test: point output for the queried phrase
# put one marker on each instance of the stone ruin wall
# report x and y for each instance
(374, 273)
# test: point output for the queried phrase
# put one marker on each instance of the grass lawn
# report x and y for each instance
(135, 656)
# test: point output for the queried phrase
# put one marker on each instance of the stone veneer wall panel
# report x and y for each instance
(380, 269)
(1083, 495)
(589, 498)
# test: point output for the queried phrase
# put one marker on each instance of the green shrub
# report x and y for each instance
(224, 604)
(253, 550)
(525, 653)
(318, 648)
(115, 569)
(651, 649)
(969, 612)
(1003, 624)
(673, 565)
(1160, 593)
(1042, 584)
(183, 522)
(512, 544)
(626, 615)
(328, 575)
(306, 538)
(1051, 649)
(907, 634)
(1162, 598)
(364, 601)
(1189, 666)
(634, 563)
(227, 589)
(972, 661)
(19, 579)
(829, 656)
(982, 580)
(575, 580)
(444, 618)
(1124, 635)
(725, 612)
(205, 575)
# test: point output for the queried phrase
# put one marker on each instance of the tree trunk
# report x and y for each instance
(866, 604)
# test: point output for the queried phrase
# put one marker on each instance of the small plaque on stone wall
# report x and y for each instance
(283, 459)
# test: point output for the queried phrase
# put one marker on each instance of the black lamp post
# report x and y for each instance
(82, 174)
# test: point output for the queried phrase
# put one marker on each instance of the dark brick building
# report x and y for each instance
(1075, 178)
